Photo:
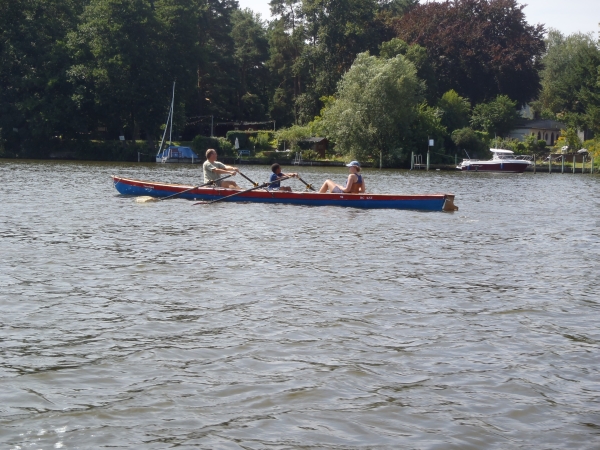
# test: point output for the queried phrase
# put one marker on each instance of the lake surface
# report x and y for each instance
(252, 326)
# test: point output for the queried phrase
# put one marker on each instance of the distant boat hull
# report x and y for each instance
(494, 166)
(427, 202)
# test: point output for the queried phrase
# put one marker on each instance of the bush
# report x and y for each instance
(244, 138)
(310, 155)
(469, 140)
(202, 143)
(261, 141)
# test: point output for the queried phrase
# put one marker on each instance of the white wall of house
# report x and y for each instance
(550, 136)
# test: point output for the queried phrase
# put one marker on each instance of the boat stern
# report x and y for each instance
(449, 203)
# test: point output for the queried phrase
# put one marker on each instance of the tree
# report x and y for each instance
(571, 80)
(455, 110)
(120, 73)
(498, 116)
(418, 56)
(467, 139)
(285, 48)
(376, 104)
(479, 48)
(250, 55)
(35, 96)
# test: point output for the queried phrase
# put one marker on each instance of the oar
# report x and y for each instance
(196, 187)
(264, 185)
(148, 199)
(308, 186)
(255, 184)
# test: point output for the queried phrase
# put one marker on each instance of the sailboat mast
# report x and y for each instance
(172, 104)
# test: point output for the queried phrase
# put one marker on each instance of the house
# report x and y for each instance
(543, 129)
(318, 144)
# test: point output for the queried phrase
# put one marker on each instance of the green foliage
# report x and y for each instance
(418, 56)
(509, 144)
(533, 145)
(247, 139)
(34, 90)
(469, 140)
(291, 136)
(251, 51)
(261, 141)
(376, 104)
(498, 116)
(572, 139)
(310, 155)
(202, 143)
(570, 80)
(455, 110)
(593, 147)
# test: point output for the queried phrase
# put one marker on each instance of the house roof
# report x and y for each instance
(543, 124)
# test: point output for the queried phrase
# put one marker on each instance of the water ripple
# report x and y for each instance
(260, 326)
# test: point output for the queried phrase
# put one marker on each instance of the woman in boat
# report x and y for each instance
(214, 169)
(354, 185)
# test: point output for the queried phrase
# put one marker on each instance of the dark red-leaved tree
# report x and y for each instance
(479, 48)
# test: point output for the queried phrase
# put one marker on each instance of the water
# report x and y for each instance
(254, 326)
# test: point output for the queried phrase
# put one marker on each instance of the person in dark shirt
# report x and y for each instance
(276, 175)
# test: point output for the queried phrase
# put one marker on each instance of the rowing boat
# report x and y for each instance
(426, 202)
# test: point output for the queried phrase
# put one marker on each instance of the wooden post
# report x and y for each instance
(427, 159)
(574, 163)
(562, 167)
(550, 162)
(138, 156)
(412, 160)
(455, 163)
(534, 163)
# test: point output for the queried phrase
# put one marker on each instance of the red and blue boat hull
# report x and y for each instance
(427, 202)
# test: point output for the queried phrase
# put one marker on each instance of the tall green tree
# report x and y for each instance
(120, 73)
(251, 54)
(35, 94)
(456, 110)
(375, 107)
(571, 80)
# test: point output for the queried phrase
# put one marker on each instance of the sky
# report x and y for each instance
(567, 16)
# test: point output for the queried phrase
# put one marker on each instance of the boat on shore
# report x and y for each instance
(426, 202)
(174, 153)
(502, 161)
(177, 154)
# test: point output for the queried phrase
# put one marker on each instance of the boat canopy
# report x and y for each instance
(177, 152)
(501, 150)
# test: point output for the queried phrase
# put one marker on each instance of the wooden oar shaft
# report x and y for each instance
(253, 182)
(195, 187)
(264, 185)
(309, 186)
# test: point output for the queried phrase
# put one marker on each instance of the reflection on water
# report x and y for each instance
(252, 326)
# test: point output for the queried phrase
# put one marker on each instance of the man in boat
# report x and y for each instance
(355, 184)
(276, 175)
(214, 169)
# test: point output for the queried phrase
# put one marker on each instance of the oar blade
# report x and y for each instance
(146, 199)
